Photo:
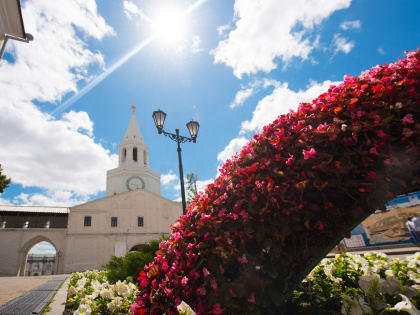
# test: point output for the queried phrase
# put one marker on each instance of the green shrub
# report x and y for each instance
(129, 266)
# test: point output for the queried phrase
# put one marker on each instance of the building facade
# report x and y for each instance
(40, 264)
(86, 236)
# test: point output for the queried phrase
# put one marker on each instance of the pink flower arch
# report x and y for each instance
(293, 192)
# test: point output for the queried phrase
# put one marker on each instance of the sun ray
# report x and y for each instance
(66, 104)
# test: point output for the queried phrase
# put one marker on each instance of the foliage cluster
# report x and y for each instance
(4, 181)
(128, 266)
(293, 191)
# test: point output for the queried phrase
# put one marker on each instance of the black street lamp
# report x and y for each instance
(159, 118)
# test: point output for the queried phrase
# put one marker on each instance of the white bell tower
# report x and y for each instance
(133, 170)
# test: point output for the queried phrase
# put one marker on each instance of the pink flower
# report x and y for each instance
(372, 174)
(217, 310)
(290, 160)
(165, 266)
(407, 119)
(407, 132)
(254, 197)
(167, 291)
(251, 298)
(207, 236)
(309, 154)
(201, 291)
(382, 134)
(206, 273)
(242, 260)
(184, 281)
(176, 236)
(373, 151)
(213, 284)
(232, 294)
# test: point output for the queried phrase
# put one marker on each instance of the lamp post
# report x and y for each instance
(159, 118)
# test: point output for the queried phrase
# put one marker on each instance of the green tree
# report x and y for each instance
(4, 181)
(129, 266)
(191, 186)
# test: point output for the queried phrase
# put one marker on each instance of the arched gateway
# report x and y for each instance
(87, 235)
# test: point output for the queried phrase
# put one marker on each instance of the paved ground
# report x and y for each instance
(59, 300)
(12, 287)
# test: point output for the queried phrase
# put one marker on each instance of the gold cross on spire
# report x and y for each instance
(133, 107)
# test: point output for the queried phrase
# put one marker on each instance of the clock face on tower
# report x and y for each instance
(135, 182)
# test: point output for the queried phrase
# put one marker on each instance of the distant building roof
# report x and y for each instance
(34, 209)
(404, 201)
(47, 255)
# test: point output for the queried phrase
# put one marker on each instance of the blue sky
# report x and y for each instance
(234, 68)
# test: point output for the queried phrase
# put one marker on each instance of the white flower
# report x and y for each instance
(81, 283)
(106, 294)
(185, 308)
(116, 302)
(71, 291)
(412, 264)
(392, 286)
(359, 307)
(83, 310)
(389, 273)
(122, 289)
(406, 305)
(365, 283)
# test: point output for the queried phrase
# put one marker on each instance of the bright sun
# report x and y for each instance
(169, 25)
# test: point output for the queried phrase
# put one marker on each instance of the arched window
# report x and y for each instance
(135, 154)
(145, 158)
(124, 157)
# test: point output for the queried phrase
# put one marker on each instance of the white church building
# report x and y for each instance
(86, 236)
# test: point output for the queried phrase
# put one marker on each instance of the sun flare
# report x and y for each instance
(169, 25)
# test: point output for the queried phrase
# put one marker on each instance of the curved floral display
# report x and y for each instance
(294, 190)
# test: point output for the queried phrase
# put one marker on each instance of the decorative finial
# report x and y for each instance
(133, 107)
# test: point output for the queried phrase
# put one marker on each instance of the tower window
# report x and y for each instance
(135, 154)
(140, 221)
(114, 221)
(88, 220)
(145, 158)
(124, 154)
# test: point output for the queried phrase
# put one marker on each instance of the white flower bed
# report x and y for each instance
(90, 293)
(369, 284)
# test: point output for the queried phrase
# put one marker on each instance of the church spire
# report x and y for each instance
(133, 131)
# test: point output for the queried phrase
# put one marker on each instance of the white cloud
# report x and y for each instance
(168, 178)
(36, 149)
(381, 51)
(346, 25)
(342, 44)
(78, 121)
(241, 96)
(247, 91)
(280, 101)
(264, 30)
(5, 201)
(202, 184)
(234, 146)
(131, 10)
(42, 248)
(196, 44)
(50, 198)
(223, 28)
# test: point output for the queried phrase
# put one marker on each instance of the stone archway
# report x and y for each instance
(24, 250)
